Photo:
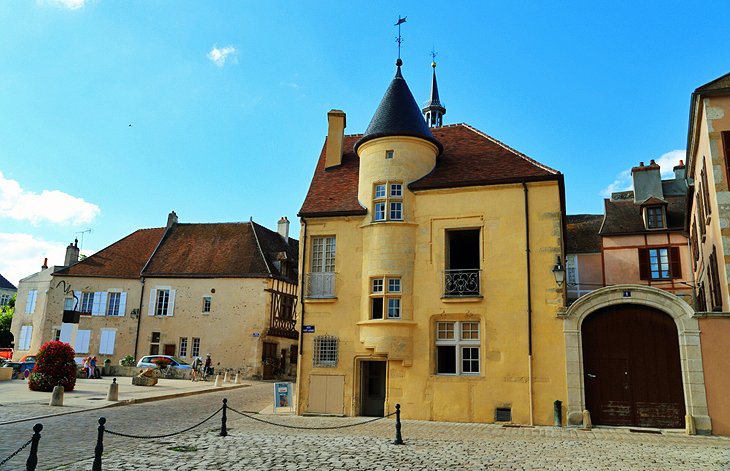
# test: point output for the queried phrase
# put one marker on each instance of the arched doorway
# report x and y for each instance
(632, 367)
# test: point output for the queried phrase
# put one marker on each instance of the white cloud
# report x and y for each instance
(70, 4)
(624, 182)
(220, 55)
(23, 255)
(50, 205)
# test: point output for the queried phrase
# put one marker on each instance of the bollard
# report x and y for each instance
(558, 413)
(217, 380)
(224, 432)
(238, 378)
(113, 394)
(56, 396)
(587, 423)
(689, 427)
(398, 437)
(225, 377)
(32, 461)
(99, 449)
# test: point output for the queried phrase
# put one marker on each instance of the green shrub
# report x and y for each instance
(128, 361)
(54, 366)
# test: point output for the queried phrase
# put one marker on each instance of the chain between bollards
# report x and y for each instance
(99, 449)
(32, 461)
(398, 437)
(224, 432)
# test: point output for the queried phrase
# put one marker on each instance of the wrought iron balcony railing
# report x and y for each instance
(462, 283)
(320, 284)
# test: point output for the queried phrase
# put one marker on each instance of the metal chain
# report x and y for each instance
(310, 428)
(16, 452)
(165, 435)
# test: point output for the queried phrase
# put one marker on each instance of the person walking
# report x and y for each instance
(197, 363)
(208, 366)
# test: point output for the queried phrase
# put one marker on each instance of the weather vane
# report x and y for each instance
(433, 56)
(399, 39)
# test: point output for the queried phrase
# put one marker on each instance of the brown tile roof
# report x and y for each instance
(582, 233)
(470, 158)
(219, 250)
(123, 259)
(624, 216)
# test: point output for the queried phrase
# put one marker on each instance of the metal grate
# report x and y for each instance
(325, 351)
(503, 414)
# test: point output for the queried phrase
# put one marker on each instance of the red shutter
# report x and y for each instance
(644, 268)
(675, 263)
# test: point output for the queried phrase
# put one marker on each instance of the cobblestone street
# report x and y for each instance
(68, 441)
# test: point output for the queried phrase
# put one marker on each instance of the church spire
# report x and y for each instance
(434, 110)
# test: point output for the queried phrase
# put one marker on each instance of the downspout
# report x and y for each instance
(529, 301)
(139, 317)
(303, 258)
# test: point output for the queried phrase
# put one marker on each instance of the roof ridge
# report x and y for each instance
(505, 146)
(258, 244)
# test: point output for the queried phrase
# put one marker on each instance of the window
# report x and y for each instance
(30, 301)
(69, 304)
(715, 288)
(87, 302)
(462, 276)
(162, 302)
(705, 191)
(389, 154)
(388, 202)
(195, 352)
(325, 351)
(56, 334)
(293, 354)
(26, 332)
(457, 348)
(4, 299)
(693, 242)
(116, 304)
(385, 298)
(82, 341)
(700, 215)
(701, 298)
(106, 344)
(321, 279)
(655, 217)
(661, 263)
(206, 304)
(155, 343)
(183, 352)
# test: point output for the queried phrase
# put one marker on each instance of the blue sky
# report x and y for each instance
(116, 112)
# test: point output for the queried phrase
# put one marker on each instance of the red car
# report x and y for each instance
(6, 353)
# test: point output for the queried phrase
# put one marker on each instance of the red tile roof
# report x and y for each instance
(470, 158)
(123, 259)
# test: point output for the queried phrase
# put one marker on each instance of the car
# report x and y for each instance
(151, 361)
(27, 359)
(6, 353)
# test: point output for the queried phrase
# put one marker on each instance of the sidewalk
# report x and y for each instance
(18, 403)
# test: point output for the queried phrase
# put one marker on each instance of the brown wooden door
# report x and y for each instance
(170, 349)
(632, 368)
(269, 360)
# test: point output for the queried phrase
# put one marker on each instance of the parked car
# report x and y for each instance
(149, 361)
(19, 368)
(6, 353)
(27, 358)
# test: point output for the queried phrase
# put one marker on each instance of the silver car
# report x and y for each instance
(154, 361)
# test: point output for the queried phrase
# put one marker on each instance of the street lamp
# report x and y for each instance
(559, 272)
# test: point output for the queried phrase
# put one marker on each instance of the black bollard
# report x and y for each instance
(398, 437)
(224, 432)
(32, 461)
(99, 449)
(558, 413)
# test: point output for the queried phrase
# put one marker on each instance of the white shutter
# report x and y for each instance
(66, 331)
(26, 333)
(106, 345)
(30, 301)
(35, 297)
(153, 299)
(122, 303)
(97, 308)
(82, 341)
(171, 303)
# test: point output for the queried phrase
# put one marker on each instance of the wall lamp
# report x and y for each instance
(559, 272)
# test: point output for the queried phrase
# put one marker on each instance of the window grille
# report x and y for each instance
(325, 351)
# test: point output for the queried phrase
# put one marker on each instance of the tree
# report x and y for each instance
(6, 319)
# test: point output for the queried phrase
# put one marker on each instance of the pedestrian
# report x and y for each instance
(208, 365)
(85, 366)
(92, 367)
(197, 363)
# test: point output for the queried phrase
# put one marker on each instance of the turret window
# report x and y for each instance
(389, 154)
(388, 202)
(385, 298)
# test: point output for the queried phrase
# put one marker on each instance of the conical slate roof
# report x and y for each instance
(398, 115)
(434, 102)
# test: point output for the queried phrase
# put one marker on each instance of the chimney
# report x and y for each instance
(283, 228)
(647, 181)
(335, 138)
(680, 171)
(72, 253)
(171, 219)
(45, 263)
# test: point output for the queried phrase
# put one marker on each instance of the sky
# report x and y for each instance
(114, 113)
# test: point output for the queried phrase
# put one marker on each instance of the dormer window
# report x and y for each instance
(655, 217)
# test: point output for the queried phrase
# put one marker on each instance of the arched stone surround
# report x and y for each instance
(693, 379)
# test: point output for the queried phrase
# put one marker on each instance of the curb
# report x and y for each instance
(126, 402)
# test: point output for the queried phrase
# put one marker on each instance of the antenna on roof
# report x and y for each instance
(399, 39)
(82, 236)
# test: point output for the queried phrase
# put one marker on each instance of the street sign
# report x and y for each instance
(308, 329)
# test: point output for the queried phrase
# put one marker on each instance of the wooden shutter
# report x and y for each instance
(99, 305)
(726, 149)
(675, 263)
(715, 282)
(171, 303)
(153, 299)
(122, 303)
(644, 268)
(82, 341)
(106, 344)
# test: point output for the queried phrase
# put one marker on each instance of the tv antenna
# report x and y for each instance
(82, 237)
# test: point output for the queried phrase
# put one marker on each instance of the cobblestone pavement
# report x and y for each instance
(252, 445)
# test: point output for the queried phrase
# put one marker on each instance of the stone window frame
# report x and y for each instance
(388, 201)
(452, 333)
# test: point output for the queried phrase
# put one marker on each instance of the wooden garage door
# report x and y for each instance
(326, 394)
(632, 368)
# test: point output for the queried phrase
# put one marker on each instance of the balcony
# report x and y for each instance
(462, 283)
(320, 285)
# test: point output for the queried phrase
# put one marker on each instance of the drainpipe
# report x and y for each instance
(139, 318)
(529, 301)
(301, 285)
